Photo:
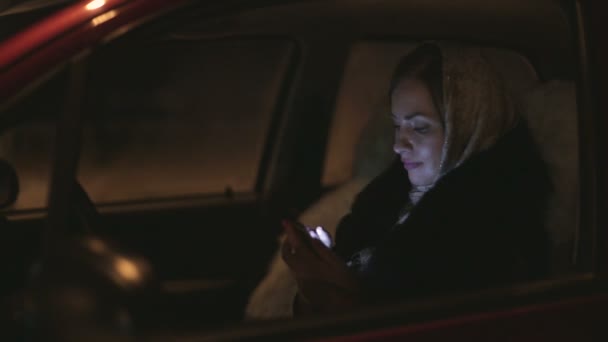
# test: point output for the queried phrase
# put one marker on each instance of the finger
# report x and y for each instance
(326, 254)
(329, 256)
(287, 248)
(291, 233)
(297, 238)
(324, 237)
(336, 271)
(288, 253)
(300, 260)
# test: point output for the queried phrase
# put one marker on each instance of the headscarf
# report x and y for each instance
(476, 110)
(477, 107)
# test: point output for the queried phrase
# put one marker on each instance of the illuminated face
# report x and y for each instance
(419, 133)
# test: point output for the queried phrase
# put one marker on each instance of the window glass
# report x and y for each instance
(28, 138)
(363, 95)
(179, 118)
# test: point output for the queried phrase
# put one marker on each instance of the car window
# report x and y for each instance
(363, 95)
(179, 118)
(28, 138)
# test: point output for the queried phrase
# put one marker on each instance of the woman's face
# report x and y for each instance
(419, 133)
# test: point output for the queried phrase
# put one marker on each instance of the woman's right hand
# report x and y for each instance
(323, 277)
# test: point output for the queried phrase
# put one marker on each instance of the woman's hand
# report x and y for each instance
(323, 278)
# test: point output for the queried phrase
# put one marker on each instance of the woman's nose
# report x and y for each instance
(402, 142)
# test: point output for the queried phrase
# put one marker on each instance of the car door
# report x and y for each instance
(181, 235)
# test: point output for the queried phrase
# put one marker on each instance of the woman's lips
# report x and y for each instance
(410, 165)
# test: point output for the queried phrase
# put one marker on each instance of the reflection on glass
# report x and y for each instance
(95, 4)
(100, 19)
(127, 269)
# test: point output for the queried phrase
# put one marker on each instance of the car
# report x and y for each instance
(152, 148)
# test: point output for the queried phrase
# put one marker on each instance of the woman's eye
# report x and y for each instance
(422, 129)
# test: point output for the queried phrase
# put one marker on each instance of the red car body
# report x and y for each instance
(70, 31)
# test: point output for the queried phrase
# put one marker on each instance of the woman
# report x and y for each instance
(461, 208)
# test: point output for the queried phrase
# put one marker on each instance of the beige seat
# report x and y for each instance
(273, 297)
(550, 110)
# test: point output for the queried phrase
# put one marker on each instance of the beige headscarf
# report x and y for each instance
(477, 107)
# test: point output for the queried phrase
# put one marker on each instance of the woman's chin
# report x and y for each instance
(418, 182)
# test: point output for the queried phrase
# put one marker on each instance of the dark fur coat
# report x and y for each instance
(481, 225)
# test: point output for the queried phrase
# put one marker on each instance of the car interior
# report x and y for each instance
(201, 133)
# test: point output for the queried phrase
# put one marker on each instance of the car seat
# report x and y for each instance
(550, 109)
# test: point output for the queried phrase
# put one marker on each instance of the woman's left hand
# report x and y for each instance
(322, 276)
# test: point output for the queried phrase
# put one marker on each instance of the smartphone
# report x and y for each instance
(325, 238)
(300, 228)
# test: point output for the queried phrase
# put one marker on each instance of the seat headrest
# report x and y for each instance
(550, 110)
(374, 150)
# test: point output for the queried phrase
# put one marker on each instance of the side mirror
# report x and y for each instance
(9, 184)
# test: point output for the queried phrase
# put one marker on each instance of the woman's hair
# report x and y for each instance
(424, 64)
